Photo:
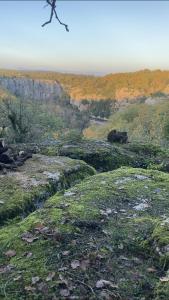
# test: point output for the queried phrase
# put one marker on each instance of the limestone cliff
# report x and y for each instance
(26, 88)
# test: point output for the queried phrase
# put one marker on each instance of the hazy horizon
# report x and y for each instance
(105, 36)
(100, 74)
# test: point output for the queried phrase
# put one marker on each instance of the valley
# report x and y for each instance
(83, 218)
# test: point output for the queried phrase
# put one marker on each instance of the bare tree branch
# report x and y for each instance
(52, 4)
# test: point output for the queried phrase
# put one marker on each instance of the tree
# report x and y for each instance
(53, 14)
(19, 118)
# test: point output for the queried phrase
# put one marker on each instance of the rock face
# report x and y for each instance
(42, 90)
(105, 238)
(41, 176)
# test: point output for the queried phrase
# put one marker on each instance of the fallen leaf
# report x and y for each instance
(106, 212)
(42, 287)
(103, 283)
(41, 228)
(17, 278)
(10, 253)
(151, 270)
(30, 288)
(121, 246)
(105, 295)
(63, 281)
(57, 236)
(62, 269)
(75, 264)
(64, 292)
(65, 253)
(164, 279)
(99, 256)
(123, 257)
(5, 269)
(84, 264)
(35, 279)
(28, 237)
(29, 254)
(50, 276)
(73, 242)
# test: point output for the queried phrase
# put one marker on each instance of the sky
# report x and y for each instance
(105, 36)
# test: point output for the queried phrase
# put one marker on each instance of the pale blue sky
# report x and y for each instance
(104, 37)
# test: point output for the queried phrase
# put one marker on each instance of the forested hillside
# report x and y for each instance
(49, 112)
(113, 86)
(143, 122)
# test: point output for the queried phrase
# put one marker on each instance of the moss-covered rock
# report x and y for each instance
(146, 149)
(106, 157)
(39, 178)
(105, 238)
(102, 155)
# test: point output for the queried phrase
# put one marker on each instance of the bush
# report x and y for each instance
(143, 122)
(72, 136)
(28, 121)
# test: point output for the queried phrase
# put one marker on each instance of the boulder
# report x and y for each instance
(102, 155)
(99, 154)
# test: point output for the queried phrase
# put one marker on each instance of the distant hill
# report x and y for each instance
(119, 86)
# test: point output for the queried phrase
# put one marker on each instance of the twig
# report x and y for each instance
(81, 282)
(88, 286)
(52, 3)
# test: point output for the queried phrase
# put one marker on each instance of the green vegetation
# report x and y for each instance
(28, 121)
(40, 177)
(148, 123)
(112, 92)
(32, 121)
(104, 156)
(101, 155)
(102, 108)
(113, 86)
(106, 236)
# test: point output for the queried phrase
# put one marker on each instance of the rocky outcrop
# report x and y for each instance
(104, 156)
(105, 238)
(41, 176)
(31, 89)
(99, 154)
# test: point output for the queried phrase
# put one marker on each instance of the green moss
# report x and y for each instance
(101, 155)
(26, 189)
(162, 291)
(145, 149)
(49, 150)
(117, 221)
(104, 156)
